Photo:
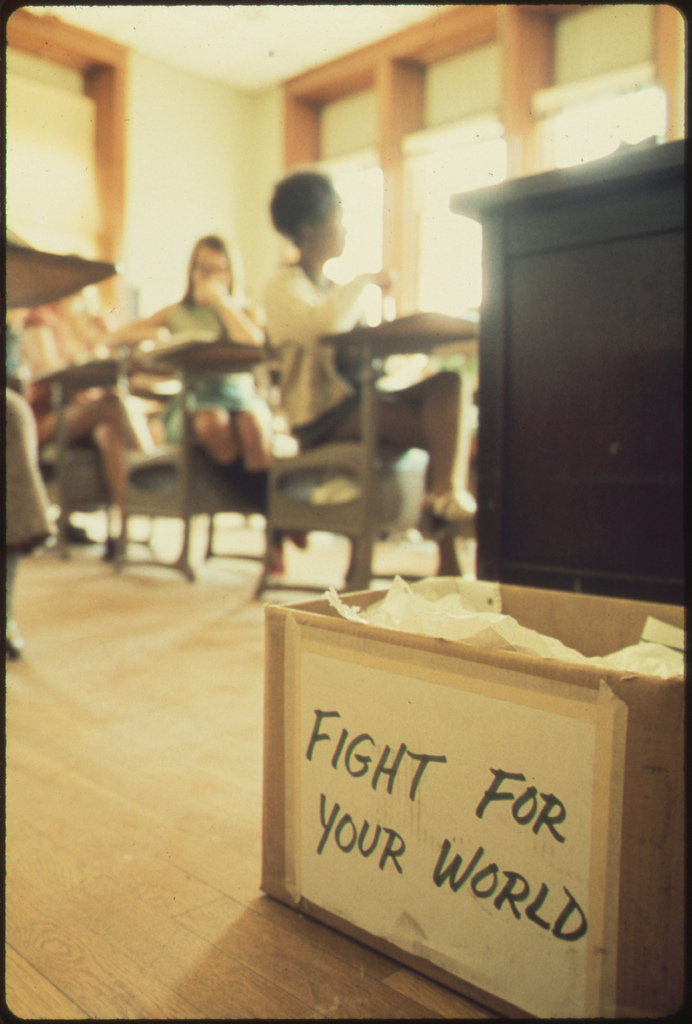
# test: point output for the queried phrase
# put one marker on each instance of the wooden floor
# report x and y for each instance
(134, 734)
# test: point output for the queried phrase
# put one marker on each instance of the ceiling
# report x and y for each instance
(248, 46)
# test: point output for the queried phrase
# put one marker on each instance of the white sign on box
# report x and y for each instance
(461, 819)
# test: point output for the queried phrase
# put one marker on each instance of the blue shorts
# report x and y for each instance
(235, 392)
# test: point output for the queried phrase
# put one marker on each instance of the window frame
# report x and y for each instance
(395, 69)
(103, 65)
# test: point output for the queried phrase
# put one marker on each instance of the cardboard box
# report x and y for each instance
(510, 826)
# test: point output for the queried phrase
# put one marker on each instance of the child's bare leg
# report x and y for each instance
(214, 430)
(103, 420)
(254, 431)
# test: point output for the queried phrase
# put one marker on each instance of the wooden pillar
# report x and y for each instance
(301, 131)
(106, 86)
(669, 58)
(399, 88)
(527, 39)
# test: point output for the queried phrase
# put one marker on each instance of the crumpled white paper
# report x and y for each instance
(647, 659)
(457, 610)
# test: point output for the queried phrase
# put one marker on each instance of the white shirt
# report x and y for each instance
(299, 313)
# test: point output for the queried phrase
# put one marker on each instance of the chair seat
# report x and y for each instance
(340, 488)
(321, 489)
(180, 483)
(157, 487)
(76, 482)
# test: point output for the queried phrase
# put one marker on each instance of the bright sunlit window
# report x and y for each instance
(594, 129)
(51, 167)
(360, 183)
(448, 247)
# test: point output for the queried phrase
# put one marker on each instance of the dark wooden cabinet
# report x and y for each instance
(580, 442)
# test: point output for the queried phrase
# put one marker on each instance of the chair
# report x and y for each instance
(73, 473)
(74, 481)
(178, 481)
(358, 489)
(374, 488)
(181, 481)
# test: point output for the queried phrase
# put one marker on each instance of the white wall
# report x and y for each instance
(200, 158)
(262, 165)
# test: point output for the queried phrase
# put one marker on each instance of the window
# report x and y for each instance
(360, 183)
(443, 249)
(586, 130)
(51, 178)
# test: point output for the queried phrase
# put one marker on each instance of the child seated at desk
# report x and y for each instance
(231, 421)
(320, 391)
(55, 337)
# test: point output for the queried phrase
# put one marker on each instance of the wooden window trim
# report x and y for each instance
(451, 33)
(434, 39)
(529, 61)
(400, 89)
(669, 63)
(394, 67)
(520, 28)
(52, 39)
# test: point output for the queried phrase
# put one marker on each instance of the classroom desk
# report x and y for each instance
(429, 333)
(93, 373)
(419, 332)
(177, 480)
(34, 277)
(186, 359)
(580, 441)
(195, 358)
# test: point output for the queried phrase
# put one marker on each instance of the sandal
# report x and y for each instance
(453, 507)
(445, 512)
